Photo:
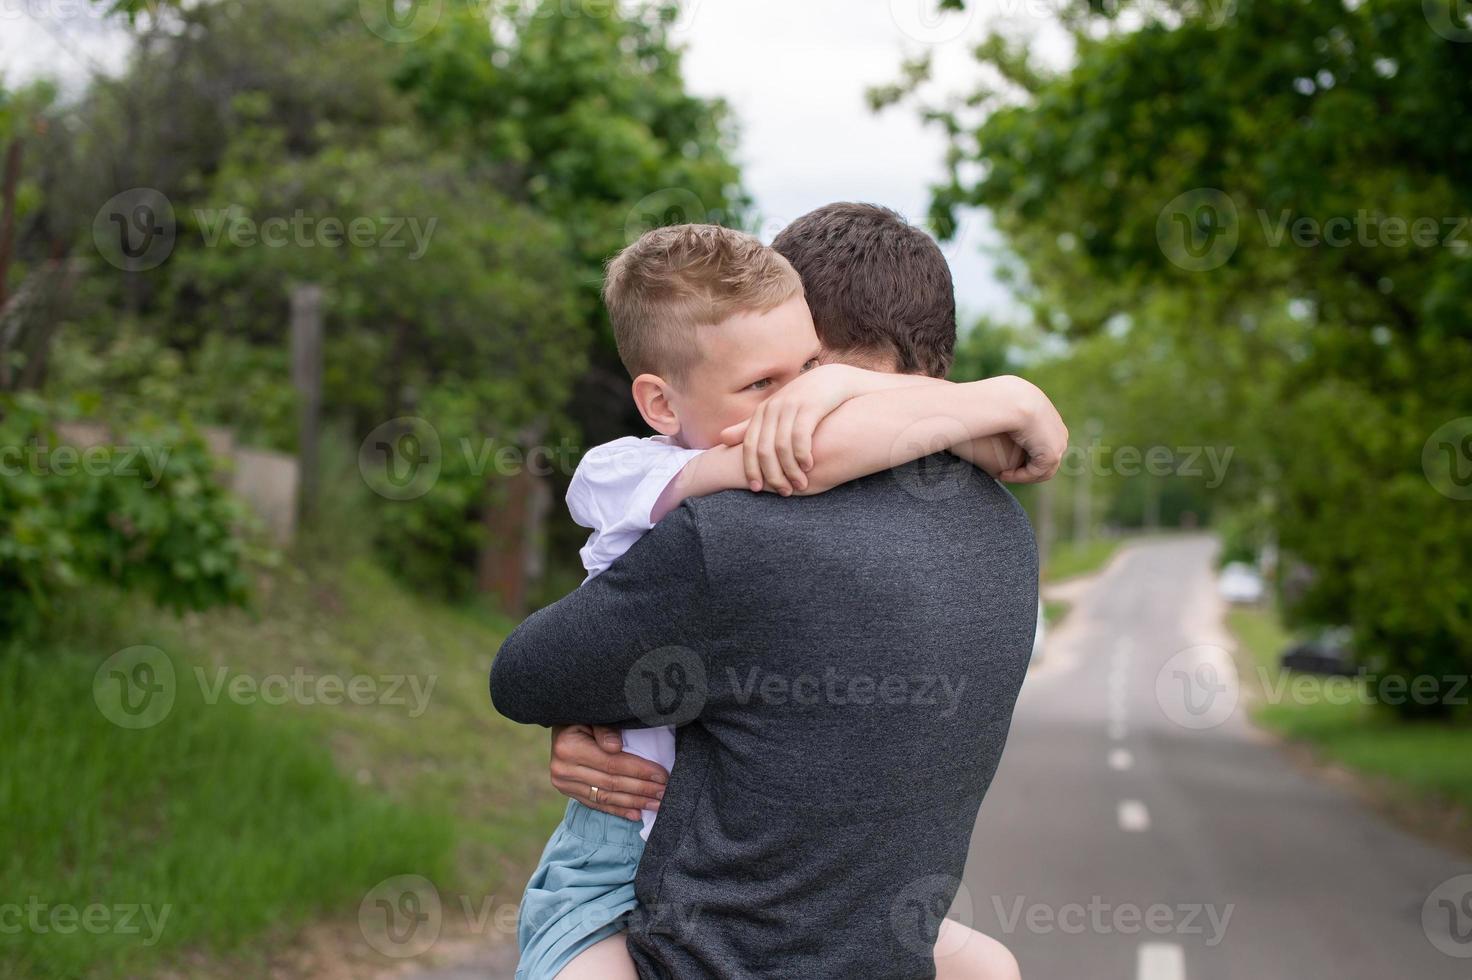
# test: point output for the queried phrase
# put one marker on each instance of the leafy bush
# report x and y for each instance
(37, 554)
(146, 512)
(224, 381)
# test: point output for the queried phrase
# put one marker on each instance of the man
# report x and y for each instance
(843, 668)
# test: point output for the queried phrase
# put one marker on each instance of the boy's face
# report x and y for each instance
(744, 361)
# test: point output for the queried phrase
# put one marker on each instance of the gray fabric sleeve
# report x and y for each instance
(588, 657)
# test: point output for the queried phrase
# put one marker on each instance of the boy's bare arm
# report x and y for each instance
(806, 440)
(735, 467)
(994, 454)
(1005, 426)
(718, 468)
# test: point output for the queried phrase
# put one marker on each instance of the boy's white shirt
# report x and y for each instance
(615, 487)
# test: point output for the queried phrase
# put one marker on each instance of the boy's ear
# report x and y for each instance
(651, 394)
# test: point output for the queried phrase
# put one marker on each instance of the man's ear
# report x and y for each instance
(652, 395)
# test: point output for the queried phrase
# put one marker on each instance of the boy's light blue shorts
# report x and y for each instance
(580, 892)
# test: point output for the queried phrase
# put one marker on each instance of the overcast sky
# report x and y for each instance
(794, 71)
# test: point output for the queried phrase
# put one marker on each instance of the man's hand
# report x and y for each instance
(1042, 436)
(777, 441)
(584, 756)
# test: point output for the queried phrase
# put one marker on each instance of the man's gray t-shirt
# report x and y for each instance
(843, 668)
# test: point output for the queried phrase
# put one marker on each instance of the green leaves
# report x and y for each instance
(143, 511)
(1218, 209)
(587, 112)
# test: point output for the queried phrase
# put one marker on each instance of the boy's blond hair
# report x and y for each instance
(673, 280)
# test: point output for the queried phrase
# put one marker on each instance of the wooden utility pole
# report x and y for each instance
(513, 515)
(8, 183)
(306, 378)
(501, 565)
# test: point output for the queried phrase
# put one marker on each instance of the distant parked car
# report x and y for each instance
(1328, 653)
(1240, 582)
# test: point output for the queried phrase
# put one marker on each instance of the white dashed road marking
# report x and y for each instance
(1160, 961)
(1133, 816)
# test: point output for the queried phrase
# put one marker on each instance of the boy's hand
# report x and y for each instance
(1042, 436)
(777, 441)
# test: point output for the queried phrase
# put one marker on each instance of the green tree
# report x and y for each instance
(1234, 193)
(581, 111)
(285, 153)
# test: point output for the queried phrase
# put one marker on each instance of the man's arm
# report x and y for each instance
(625, 648)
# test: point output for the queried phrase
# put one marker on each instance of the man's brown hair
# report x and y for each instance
(877, 285)
(673, 280)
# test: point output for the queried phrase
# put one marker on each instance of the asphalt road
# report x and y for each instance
(1138, 827)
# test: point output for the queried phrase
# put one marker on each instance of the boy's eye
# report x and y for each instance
(761, 385)
(812, 363)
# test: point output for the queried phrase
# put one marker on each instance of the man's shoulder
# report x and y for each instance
(939, 482)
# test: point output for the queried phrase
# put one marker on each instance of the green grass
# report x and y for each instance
(1426, 760)
(1067, 559)
(1054, 610)
(250, 820)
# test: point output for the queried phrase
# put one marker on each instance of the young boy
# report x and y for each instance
(715, 332)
